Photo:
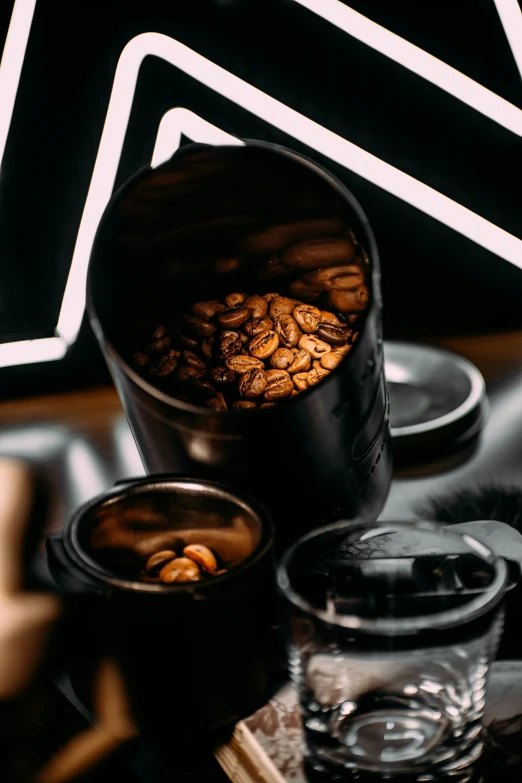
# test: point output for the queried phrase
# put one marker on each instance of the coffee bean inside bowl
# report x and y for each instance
(182, 564)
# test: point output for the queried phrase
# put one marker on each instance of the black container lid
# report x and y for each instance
(437, 399)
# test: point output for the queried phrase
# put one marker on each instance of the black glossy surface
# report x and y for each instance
(323, 455)
(195, 657)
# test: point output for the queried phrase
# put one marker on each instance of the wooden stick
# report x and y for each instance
(16, 496)
(244, 760)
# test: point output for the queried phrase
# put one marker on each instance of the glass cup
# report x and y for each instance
(392, 630)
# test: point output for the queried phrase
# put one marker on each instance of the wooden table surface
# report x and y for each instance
(87, 422)
(498, 356)
(93, 415)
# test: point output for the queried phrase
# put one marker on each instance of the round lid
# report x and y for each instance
(437, 398)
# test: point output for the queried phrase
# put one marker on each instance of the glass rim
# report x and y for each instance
(416, 624)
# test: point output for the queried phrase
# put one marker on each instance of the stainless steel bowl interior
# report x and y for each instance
(115, 537)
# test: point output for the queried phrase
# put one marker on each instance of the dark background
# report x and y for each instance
(435, 282)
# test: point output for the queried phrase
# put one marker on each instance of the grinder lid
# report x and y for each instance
(437, 399)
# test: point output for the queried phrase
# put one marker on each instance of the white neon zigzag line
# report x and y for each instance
(426, 65)
(270, 110)
(478, 225)
(511, 19)
(12, 62)
(49, 348)
(177, 121)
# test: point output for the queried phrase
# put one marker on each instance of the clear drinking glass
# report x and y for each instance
(392, 630)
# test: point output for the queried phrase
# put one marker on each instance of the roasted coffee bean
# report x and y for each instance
(221, 572)
(228, 344)
(217, 403)
(295, 392)
(158, 346)
(264, 344)
(308, 317)
(200, 388)
(342, 350)
(279, 386)
(221, 376)
(203, 556)
(257, 306)
(302, 290)
(269, 405)
(347, 282)
(301, 363)
(251, 333)
(349, 277)
(182, 569)
(282, 359)
(141, 360)
(280, 236)
(185, 342)
(349, 301)
(162, 367)
(207, 310)
(329, 318)
(276, 375)
(257, 325)
(300, 380)
(184, 373)
(316, 375)
(242, 364)
(192, 360)
(319, 252)
(198, 326)
(315, 347)
(272, 269)
(207, 348)
(156, 562)
(333, 335)
(233, 317)
(332, 360)
(244, 405)
(226, 265)
(160, 332)
(355, 337)
(253, 383)
(287, 329)
(234, 300)
(282, 305)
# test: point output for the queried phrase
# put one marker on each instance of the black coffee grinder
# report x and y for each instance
(210, 221)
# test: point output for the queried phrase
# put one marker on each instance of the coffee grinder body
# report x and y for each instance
(177, 234)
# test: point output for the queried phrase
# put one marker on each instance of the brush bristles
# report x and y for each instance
(503, 504)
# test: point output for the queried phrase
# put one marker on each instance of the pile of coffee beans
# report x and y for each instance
(194, 564)
(247, 351)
